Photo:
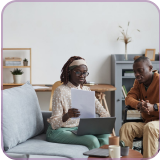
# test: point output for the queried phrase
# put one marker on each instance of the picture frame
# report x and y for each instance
(150, 53)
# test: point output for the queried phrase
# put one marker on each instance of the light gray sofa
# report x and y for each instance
(25, 125)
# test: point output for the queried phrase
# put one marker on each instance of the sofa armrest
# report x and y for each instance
(46, 115)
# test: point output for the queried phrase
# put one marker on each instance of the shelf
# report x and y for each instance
(16, 48)
(16, 67)
(12, 84)
(30, 64)
(128, 77)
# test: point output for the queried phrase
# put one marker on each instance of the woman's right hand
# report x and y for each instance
(73, 112)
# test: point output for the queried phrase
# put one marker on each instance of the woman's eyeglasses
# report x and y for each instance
(78, 73)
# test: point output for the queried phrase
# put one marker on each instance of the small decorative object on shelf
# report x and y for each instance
(13, 61)
(150, 53)
(25, 62)
(124, 149)
(17, 75)
(125, 38)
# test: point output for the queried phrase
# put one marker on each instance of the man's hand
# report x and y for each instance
(73, 112)
(141, 107)
(149, 107)
(145, 107)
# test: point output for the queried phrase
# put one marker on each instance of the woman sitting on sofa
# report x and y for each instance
(73, 75)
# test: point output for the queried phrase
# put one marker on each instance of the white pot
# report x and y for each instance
(17, 78)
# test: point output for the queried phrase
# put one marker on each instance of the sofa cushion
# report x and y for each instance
(22, 117)
(39, 146)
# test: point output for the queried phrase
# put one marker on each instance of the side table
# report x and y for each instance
(132, 153)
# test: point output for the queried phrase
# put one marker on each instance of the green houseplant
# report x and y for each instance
(25, 62)
(124, 149)
(17, 75)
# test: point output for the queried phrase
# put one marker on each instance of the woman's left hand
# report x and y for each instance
(73, 112)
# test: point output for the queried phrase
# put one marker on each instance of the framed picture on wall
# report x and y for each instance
(150, 53)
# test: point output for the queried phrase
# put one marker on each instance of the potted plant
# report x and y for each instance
(25, 62)
(124, 149)
(17, 75)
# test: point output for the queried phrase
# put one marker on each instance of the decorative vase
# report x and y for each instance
(126, 56)
(17, 79)
(25, 63)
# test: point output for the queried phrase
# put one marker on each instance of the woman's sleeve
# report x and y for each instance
(99, 108)
(57, 110)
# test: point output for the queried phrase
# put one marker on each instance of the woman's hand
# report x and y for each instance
(73, 112)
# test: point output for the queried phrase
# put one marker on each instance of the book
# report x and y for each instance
(122, 95)
(125, 89)
(124, 92)
(13, 63)
(128, 73)
(13, 59)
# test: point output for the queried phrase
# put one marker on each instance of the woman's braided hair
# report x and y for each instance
(65, 70)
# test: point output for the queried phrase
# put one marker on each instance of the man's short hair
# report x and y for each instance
(143, 59)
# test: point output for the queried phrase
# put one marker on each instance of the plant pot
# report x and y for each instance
(17, 79)
(25, 63)
(124, 151)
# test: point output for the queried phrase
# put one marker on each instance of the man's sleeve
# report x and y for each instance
(133, 95)
(158, 107)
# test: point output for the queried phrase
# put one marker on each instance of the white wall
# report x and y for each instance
(56, 31)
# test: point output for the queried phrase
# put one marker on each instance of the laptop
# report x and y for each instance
(95, 126)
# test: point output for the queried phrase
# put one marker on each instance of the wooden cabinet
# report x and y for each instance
(119, 65)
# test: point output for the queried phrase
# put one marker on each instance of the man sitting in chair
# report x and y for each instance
(143, 96)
